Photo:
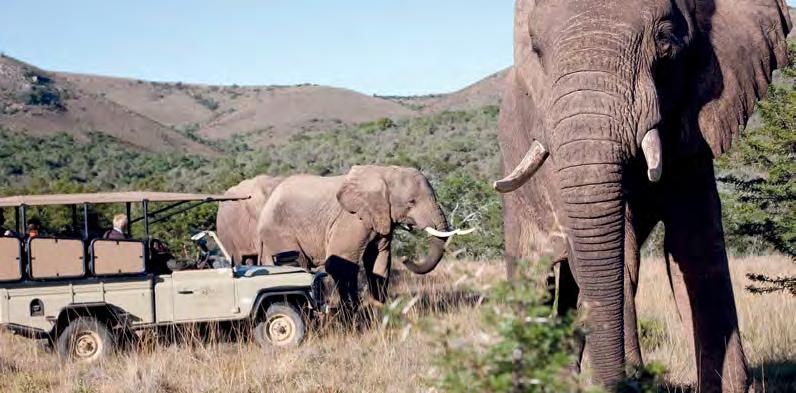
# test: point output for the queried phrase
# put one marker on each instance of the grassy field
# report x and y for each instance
(401, 357)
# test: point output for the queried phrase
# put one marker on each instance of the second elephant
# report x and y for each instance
(342, 222)
(237, 220)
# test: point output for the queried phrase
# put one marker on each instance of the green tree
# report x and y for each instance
(760, 198)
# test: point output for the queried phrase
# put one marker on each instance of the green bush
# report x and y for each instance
(456, 150)
(524, 347)
(759, 177)
(652, 334)
(207, 102)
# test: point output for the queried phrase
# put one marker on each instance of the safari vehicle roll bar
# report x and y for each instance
(22, 202)
(181, 203)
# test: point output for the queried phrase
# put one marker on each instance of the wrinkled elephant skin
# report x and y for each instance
(611, 117)
(341, 222)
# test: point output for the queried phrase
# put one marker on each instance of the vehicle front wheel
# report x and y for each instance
(282, 326)
(85, 340)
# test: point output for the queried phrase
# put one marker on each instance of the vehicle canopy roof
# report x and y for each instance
(113, 197)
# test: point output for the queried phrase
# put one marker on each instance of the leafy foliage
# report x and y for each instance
(766, 284)
(456, 150)
(525, 350)
(760, 175)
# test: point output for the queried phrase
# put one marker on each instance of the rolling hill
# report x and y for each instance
(158, 116)
(44, 103)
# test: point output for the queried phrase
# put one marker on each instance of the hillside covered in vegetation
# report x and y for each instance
(457, 150)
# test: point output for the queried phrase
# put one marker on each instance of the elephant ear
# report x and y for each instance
(364, 193)
(737, 45)
(519, 120)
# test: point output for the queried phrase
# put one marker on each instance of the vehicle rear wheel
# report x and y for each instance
(85, 340)
(282, 326)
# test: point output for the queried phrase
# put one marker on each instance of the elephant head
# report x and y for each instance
(236, 221)
(387, 197)
(605, 92)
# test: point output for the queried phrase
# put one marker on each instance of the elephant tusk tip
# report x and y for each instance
(504, 186)
(654, 175)
(434, 232)
(523, 172)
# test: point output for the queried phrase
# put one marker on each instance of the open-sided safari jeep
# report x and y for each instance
(85, 293)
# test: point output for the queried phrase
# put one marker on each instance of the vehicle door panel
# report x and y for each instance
(201, 295)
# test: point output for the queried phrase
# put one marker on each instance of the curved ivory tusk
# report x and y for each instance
(433, 232)
(532, 161)
(465, 231)
(651, 145)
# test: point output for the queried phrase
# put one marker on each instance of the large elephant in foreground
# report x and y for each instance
(611, 117)
(340, 222)
(236, 221)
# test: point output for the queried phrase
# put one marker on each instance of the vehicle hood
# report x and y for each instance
(255, 271)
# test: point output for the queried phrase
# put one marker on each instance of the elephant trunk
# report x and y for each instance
(590, 172)
(436, 245)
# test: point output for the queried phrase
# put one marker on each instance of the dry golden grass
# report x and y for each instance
(397, 359)
(768, 323)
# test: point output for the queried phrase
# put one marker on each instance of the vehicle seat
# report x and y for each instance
(52, 258)
(10, 259)
(117, 257)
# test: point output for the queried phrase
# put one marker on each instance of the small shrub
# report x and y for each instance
(526, 349)
(385, 123)
(207, 102)
(652, 334)
(765, 284)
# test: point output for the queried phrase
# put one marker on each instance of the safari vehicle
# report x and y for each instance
(84, 294)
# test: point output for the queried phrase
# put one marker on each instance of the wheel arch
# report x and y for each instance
(299, 298)
(109, 314)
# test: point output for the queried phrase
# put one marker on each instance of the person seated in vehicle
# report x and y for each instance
(119, 227)
(209, 256)
(3, 230)
(160, 261)
(33, 228)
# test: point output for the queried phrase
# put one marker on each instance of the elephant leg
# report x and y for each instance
(695, 247)
(346, 246)
(512, 232)
(680, 294)
(567, 301)
(637, 229)
(345, 274)
(632, 346)
(567, 289)
(377, 284)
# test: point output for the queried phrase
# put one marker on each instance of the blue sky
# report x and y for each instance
(374, 46)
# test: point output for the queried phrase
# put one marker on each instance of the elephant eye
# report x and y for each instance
(665, 41)
(536, 48)
(412, 202)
